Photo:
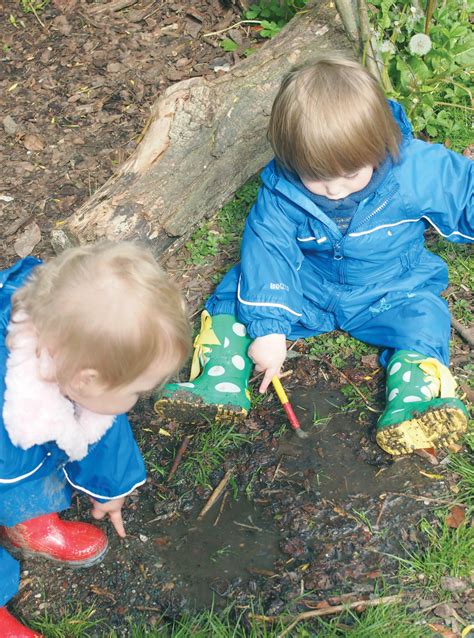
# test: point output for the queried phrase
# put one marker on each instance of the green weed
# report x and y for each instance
(338, 348)
(273, 14)
(226, 228)
(33, 6)
(462, 310)
(429, 74)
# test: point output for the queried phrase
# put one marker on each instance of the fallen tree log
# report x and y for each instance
(204, 139)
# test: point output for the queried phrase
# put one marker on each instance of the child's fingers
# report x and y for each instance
(97, 513)
(267, 379)
(117, 521)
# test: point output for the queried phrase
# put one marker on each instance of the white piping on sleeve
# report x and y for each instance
(410, 221)
(455, 232)
(266, 303)
(24, 476)
(107, 498)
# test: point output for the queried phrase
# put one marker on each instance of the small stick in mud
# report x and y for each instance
(178, 457)
(215, 494)
(295, 424)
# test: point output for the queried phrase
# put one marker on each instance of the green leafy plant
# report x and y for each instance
(33, 6)
(428, 64)
(273, 14)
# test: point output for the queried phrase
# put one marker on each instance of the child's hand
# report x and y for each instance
(113, 509)
(268, 353)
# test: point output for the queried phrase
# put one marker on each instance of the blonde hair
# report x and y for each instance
(108, 307)
(330, 118)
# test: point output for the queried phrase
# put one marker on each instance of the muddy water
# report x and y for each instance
(239, 540)
(224, 549)
(331, 455)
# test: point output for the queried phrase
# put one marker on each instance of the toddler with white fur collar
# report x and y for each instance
(81, 337)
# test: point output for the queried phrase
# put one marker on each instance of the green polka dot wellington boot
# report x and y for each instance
(422, 411)
(217, 389)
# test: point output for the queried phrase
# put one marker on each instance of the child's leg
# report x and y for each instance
(29, 523)
(10, 571)
(421, 409)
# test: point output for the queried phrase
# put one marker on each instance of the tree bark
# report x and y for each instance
(204, 139)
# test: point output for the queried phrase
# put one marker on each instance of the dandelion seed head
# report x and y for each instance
(420, 44)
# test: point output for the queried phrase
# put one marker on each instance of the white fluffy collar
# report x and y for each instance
(34, 411)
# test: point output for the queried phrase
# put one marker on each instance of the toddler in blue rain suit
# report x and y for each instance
(336, 240)
(81, 337)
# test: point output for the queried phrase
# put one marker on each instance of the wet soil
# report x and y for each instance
(316, 518)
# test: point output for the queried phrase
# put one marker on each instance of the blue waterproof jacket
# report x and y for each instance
(113, 466)
(297, 267)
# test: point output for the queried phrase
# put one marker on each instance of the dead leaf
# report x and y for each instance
(456, 516)
(27, 240)
(371, 361)
(33, 142)
(442, 630)
(443, 610)
(452, 583)
(62, 25)
(429, 454)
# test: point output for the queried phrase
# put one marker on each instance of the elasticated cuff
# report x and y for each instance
(265, 327)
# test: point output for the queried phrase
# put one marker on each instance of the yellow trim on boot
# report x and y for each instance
(431, 429)
(445, 383)
(206, 337)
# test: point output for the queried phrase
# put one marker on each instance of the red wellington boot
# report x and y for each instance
(76, 544)
(10, 627)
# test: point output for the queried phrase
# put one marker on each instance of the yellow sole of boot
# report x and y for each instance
(436, 428)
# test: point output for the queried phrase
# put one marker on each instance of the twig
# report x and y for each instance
(178, 458)
(428, 499)
(115, 5)
(382, 509)
(30, 4)
(466, 333)
(221, 508)
(232, 26)
(254, 527)
(283, 375)
(346, 378)
(329, 611)
(215, 494)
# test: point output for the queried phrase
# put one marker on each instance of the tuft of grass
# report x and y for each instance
(463, 466)
(208, 450)
(459, 259)
(73, 624)
(448, 552)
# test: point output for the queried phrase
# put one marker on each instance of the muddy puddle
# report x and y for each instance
(331, 454)
(209, 558)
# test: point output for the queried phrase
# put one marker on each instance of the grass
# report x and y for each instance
(459, 259)
(397, 619)
(225, 228)
(207, 453)
(463, 466)
(445, 552)
(73, 624)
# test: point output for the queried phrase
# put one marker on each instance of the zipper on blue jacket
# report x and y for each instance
(374, 212)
